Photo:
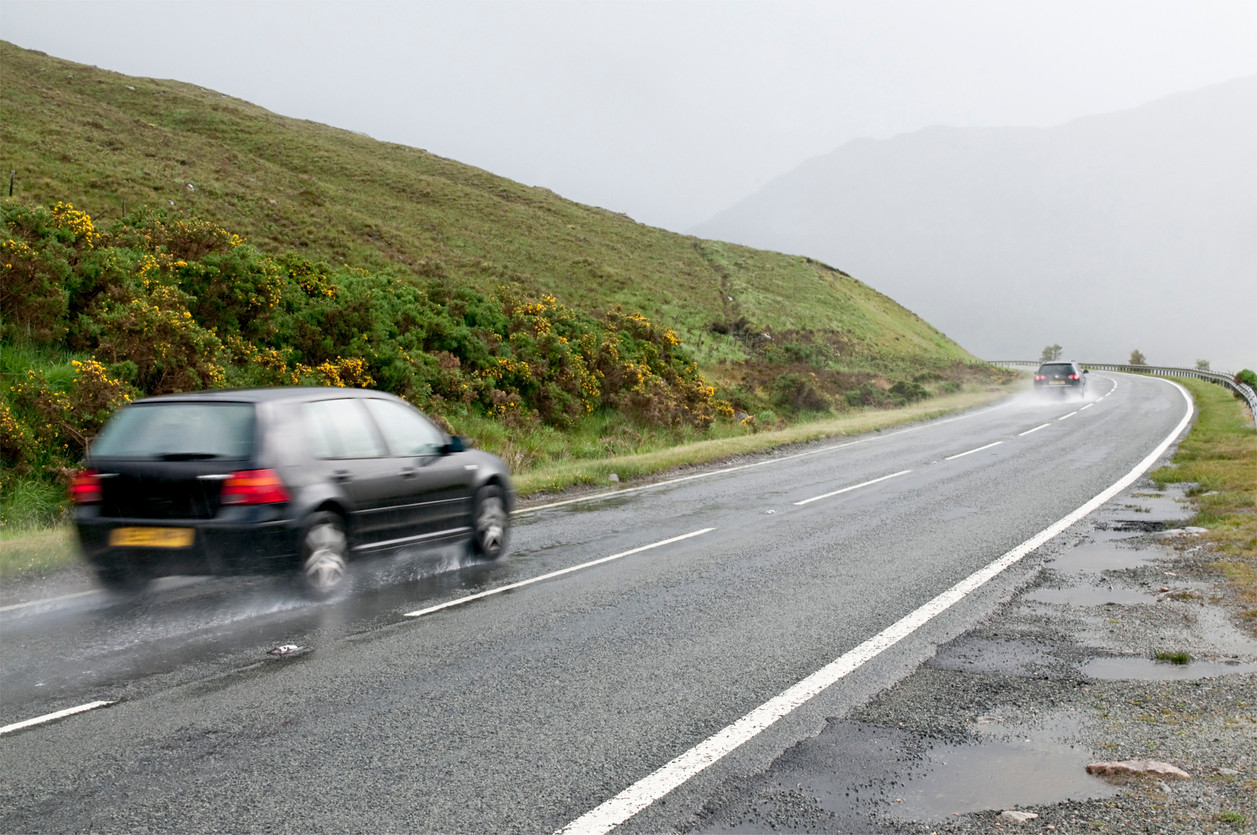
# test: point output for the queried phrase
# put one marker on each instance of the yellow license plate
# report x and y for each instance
(1057, 383)
(151, 537)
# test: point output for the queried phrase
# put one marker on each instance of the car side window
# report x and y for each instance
(405, 430)
(341, 429)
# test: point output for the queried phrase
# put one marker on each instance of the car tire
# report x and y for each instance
(324, 565)
(490, 523)
(122, 579)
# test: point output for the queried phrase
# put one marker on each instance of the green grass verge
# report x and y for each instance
(1219, 459)
(33, 551)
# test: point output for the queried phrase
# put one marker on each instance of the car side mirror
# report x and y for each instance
(456, 444)
(1086, 371)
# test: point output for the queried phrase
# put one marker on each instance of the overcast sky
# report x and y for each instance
(666, 111)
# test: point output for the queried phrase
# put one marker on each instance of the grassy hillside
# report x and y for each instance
(162, 237)
(103, 142)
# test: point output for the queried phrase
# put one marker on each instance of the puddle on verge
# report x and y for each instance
(1098, 557)
(1090, 596)
(992, 775)
(1148, 669)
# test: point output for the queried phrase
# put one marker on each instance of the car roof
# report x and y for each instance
(265, 395)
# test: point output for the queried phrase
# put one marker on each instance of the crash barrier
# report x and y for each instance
(1242, 390)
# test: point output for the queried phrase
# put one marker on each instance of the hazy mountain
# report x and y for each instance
(1135, 229)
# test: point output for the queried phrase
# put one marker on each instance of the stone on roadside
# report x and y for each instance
(1115, 769)
(1016, 816)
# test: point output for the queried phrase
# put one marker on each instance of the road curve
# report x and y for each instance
(622, 632)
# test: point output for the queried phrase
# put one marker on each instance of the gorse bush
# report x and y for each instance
(161, 303)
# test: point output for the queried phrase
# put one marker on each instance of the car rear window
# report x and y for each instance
(1057, 368)
(178, 431)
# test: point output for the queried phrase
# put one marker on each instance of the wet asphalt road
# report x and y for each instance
(522, 711)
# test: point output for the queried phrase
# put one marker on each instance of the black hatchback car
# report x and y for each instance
(1063, 377)
(281, 480)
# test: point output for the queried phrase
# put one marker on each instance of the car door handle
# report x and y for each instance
(408, 472)
(342, 476)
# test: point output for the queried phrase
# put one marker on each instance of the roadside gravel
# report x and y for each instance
(1006, 717)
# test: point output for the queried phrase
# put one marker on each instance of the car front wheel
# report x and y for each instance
(490, 523)
(324, 555)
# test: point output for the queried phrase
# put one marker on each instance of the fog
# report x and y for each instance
(673, 112)
(666, 111)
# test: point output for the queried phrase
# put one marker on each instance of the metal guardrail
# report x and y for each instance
(1241, 390)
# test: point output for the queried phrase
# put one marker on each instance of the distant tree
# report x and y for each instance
(1202, 365)
(1051, 352)
(1137, 357)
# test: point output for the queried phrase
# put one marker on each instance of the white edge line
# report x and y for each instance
(46, 601)
(852, 487)
(646, 791)
(971, 452)
(52, 717)
(1036, 429)
(460, 601)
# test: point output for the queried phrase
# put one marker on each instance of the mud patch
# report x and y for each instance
(994, 656)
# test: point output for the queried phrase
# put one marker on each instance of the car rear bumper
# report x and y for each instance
(152, 547)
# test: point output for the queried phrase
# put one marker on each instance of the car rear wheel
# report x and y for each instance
(490, 523)
(324, 555)
(122, 579)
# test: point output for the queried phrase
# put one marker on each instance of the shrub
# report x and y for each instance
(908, 392)
(866, 394)
(798, 392)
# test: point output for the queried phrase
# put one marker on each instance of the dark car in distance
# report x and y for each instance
(1063, 377)
(279, 480)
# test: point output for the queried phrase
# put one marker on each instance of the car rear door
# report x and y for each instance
(348, 452)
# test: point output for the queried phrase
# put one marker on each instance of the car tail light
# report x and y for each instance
(1040, 376)
(85, 487)
(1073, 376)
(253, 487)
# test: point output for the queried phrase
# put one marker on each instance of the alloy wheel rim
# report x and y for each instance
(490, 525)
(325, 567)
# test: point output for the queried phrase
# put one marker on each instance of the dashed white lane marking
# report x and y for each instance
(1068, 416)
(852, 487)
(879, 436)
(972, 451)
(460, 601)
(1036, 429)
(52, 717)
(1085, 408)
(646, 791)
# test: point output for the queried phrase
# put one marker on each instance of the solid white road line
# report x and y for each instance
(852, 487)
(1036, 429)
(971, 452)
(460, 601)
(646, 791)
(52, 717)
(47, 600)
